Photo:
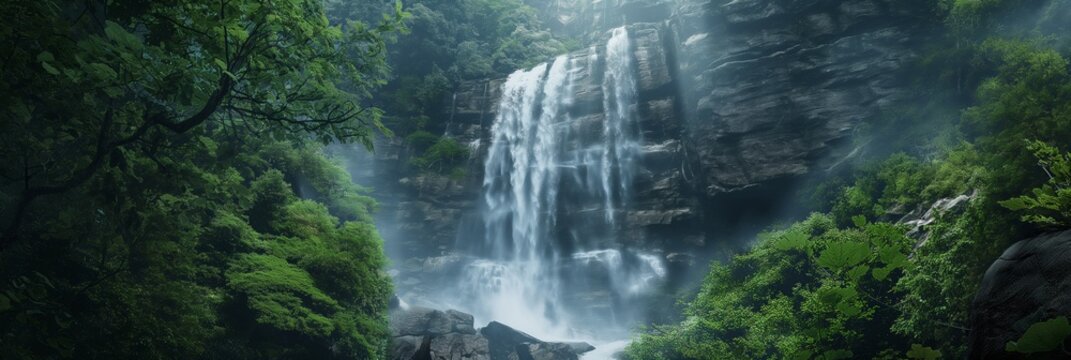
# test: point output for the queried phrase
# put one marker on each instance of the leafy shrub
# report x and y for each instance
(812, 290)
(421, 140)
(1042, 337)
(445, 156)
(1050, 204)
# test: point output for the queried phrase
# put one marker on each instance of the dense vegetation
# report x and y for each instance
(164, 190)
(166, 194)
(452, 41)
(846, 282)
(165, 183)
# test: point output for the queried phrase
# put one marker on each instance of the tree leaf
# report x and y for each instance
(923, 352)
(45, 56)
(791, 240)
(892, 257)
(101, 71)
(118, 34)
(850, 308)
(837, 354)
(5, 303)
(49, 68)
(1044, 336)
(859, 221)
(857, 272)
(842, 255)
(881, 273)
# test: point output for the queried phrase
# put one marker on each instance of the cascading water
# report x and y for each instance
(516, 285)
(620, 130)
(550, 264)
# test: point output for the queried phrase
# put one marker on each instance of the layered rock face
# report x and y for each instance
(732, 95)
(774, 86)
(765, 88)
(735, 99)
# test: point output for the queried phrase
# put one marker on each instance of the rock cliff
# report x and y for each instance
(736, 100)
(732, 95)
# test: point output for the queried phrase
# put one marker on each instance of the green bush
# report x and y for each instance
(420, 141)
(811, 290)
(446, 156)
(211, 255)
(1049, 205)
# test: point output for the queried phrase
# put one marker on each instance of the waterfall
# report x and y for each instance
(620, 130)
(543, 181)
(521, 173)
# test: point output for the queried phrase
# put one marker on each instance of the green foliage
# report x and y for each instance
(802, 292)
(448, 43)
(1029, 98)
(791, 240)
(948, 267)
(223, 267)
(895, 182)
(902, 183)
(968, 17)
(165, 187)
(420, 141)
(843, 255)
(445, 156)
(442, 155)
(453, 41)
(923, 352)
(1042, 337)
(1050, 204)
(281, 295)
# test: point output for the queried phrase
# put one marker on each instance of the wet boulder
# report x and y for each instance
(507, 343)
(543, 351)
(416, 321)
(503, 340)
(455, 346)
(406, 347)
(1028, 284)
(422, 333)
(579, 347)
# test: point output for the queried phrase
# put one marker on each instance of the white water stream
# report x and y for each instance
(548, 267)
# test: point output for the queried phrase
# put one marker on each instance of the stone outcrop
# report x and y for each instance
(1026, 285)
(422, 333)
(420, 322)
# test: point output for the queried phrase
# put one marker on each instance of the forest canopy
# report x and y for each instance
(165, 186)
(165, 181)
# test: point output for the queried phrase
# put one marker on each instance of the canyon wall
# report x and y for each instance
(735, 100)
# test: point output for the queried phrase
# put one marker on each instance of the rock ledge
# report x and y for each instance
(421, 333)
